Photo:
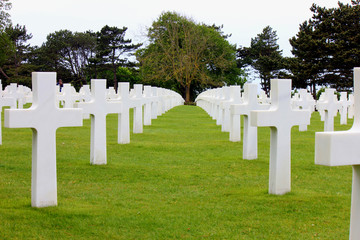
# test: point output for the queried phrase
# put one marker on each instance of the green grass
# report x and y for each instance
(180, 179)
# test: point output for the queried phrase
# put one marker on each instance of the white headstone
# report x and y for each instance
(148, 100)
(98, 108)
(5, 102)
(351, 106)
(342, 148)
(344, 105)
(67, 96)
(137, 104)
(330, 106)
(250, 132)
(123, 118)
(280, 118)
(235, 120)
(44, 117)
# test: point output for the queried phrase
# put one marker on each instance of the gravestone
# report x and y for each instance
(137, 103)
(85, 96)
(98, 108)
(155, 103)
(224, 107)
(111, 93)
(67, 96)
(330, 106)
(280, 118)
(305, 102)
(5, 102)
(351, 106)
(250, 132)
(123, 117)
(235, 120)
(43, 117)
(344, 105)
(342, 148)
(148, 102)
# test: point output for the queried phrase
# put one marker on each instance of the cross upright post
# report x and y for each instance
(330, 106)
(98, 108)
(43, 117)
(148, 100)
(5, 101)
(250, 133)
(341, 148)
(137, 104)
(123, 117)
(344, 105)
(280, 118)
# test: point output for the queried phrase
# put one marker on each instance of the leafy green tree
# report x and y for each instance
(326, 48)
(185, 56)
(16, 66)
(7, 49)
(112, 49)
(5, 5)
(65, 51)
(264, 56)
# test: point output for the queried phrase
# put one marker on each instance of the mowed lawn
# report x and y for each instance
(180, 179)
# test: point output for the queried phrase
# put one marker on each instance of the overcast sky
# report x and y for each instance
(243, 19)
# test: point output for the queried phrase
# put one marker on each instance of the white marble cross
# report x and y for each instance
(123, 118)
(235, 120)
(342, 148)
(68, 96)
(224, 107)
(137, 104)
(250, 132)
(85, 96)
(148, 100)
(351, 106)
(5, 102)
(331, 107)
(280, 118)
(155, 103)
(344, 105)
(98, 108)
(43, 117)
(306, 102)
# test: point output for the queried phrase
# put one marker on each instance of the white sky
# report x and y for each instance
(243, 19)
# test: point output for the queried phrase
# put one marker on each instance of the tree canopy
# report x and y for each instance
(264, 56)
(326, 48)
(5, 5)
(187, 56)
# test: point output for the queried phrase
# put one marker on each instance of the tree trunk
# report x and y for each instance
(187, 94)
(115, 80)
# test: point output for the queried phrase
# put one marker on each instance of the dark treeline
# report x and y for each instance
(187, 56)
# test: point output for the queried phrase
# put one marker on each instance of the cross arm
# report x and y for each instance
(337, 148)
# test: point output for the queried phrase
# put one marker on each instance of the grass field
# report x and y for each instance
(180, 179)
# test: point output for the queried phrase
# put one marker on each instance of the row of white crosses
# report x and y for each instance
(280, 116)
(44, 117)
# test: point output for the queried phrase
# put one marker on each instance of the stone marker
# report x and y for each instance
(235, 120)
(250, 132)
(123, 118)
(330, 106)
(280, 118)
(5, 102)
(351, 106)
(43, 117)
(342, 148)
(67, 96)
(98, 108)
(344, 105)
(148, 100)
(137, 101)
